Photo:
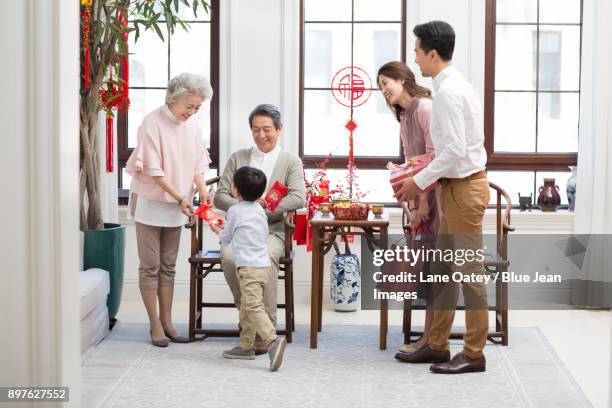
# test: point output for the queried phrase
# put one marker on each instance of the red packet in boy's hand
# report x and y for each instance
(206, 213)
(275, 195)
(414, 166)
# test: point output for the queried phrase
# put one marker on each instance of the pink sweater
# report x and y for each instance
(170, 149)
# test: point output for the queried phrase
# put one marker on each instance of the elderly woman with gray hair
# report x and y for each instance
(167, 168)
(266, 126)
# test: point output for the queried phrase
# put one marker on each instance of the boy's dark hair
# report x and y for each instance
(437, 35)
(250, 183)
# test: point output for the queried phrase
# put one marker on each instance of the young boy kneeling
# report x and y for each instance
(246, 228)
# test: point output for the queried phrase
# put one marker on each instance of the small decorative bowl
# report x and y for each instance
(378, 209)
(325, 208)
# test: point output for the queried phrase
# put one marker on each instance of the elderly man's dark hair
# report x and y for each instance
(437, 35)
(268, 110)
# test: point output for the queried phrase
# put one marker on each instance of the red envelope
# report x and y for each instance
(275, 195)
(414, 166)
(206, 213)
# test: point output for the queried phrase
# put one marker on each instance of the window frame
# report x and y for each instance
(517, 160)
(124, 152)
(340, 162)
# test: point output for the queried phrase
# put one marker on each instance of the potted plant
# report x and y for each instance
(105, 27)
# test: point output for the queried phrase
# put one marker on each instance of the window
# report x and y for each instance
(338, 34)
(153, 63)
(532, 92)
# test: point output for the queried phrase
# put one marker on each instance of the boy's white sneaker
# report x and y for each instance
(275, 352)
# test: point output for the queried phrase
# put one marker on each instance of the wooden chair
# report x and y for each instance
(494, 263)
(204, 262)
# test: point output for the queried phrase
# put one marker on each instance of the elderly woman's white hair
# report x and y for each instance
(188, 84)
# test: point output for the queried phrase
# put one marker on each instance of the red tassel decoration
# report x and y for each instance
(86, 16)
(110, 142)
(351, 150)
(351, 126)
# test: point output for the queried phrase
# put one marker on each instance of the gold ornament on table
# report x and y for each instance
(378, 209)
(325, 208)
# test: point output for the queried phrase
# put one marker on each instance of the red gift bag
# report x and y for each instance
(301, 229)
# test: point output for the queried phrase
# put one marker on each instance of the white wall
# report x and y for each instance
(259, 63)
(259, 59)
(468, 19)
(39, 157)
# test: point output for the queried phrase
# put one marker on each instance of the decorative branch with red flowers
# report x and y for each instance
(318, 187)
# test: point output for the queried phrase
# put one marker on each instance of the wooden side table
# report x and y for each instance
(325, 230)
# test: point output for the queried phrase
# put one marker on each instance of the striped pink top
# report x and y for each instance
(167, 148)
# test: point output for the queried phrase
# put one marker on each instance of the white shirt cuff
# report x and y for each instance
(424, 179)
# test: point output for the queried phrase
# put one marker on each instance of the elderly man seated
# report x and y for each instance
(278, 165)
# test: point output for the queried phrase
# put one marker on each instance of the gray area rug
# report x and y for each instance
(347, 370)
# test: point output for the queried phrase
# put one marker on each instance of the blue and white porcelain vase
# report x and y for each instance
(345, 282)
(570, 188)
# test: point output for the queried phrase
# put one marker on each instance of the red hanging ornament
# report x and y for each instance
(86, 17)
(110, 98)
(351, 125)
(324, 190)
(351, 150)
(110, 143)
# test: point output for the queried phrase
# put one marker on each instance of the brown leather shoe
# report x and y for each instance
(460, 364)
(261, 347)
(408, 348)
(424, 355)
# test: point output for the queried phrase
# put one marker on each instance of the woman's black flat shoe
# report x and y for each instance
(176, 339)
(158, 343)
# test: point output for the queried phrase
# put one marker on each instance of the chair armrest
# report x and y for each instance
(191, 224)
(213, 180)
(506, 217)
(289, 228)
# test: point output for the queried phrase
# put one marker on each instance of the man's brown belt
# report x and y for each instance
(475, 176)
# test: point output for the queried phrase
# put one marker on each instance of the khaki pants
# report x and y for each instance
(253, 317)
(463, 204)
(157, 250)
(276, 249)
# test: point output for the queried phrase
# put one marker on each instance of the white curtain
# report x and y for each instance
(594, 184)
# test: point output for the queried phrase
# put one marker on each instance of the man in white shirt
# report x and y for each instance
(458, 139)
